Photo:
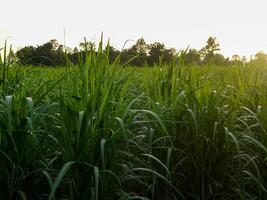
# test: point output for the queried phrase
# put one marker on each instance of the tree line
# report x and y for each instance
(141, 53)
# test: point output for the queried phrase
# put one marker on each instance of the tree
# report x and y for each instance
(50, 53)
(113, 53)
(141, 47)
(260, 59)
(211, 47)
(25, 55)
(138, 53)
(44, 53)
(168, 55)
(192, 56)
(261, 56)
(73, 55)
(237, 60)
(209, 50)
(59, 56)
(219, 60)
(156, 52)
(87, 46)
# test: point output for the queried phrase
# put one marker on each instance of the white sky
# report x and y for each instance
(239, 25)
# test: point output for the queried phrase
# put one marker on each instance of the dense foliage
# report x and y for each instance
(101, 131)
(140, 54)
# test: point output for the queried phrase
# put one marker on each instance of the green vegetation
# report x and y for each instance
(100, 130)
(140, 54)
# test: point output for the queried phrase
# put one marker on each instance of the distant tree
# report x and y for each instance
(87, 46)
(209, 50)
(45, 53)
(73, 55)
(244, 59)
(218, 60)
(50, 53)
(25, 55)
(141, 47)
(237, 60)
(59, 55)
(192, 56)
(168, 55)
(156, 52)
(260, 59)
(261, 56)
(211, 47)
(113, 53)
(138, 53)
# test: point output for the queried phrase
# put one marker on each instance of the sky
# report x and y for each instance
(239, 25)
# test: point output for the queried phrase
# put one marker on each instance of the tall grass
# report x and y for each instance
(100, 130)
